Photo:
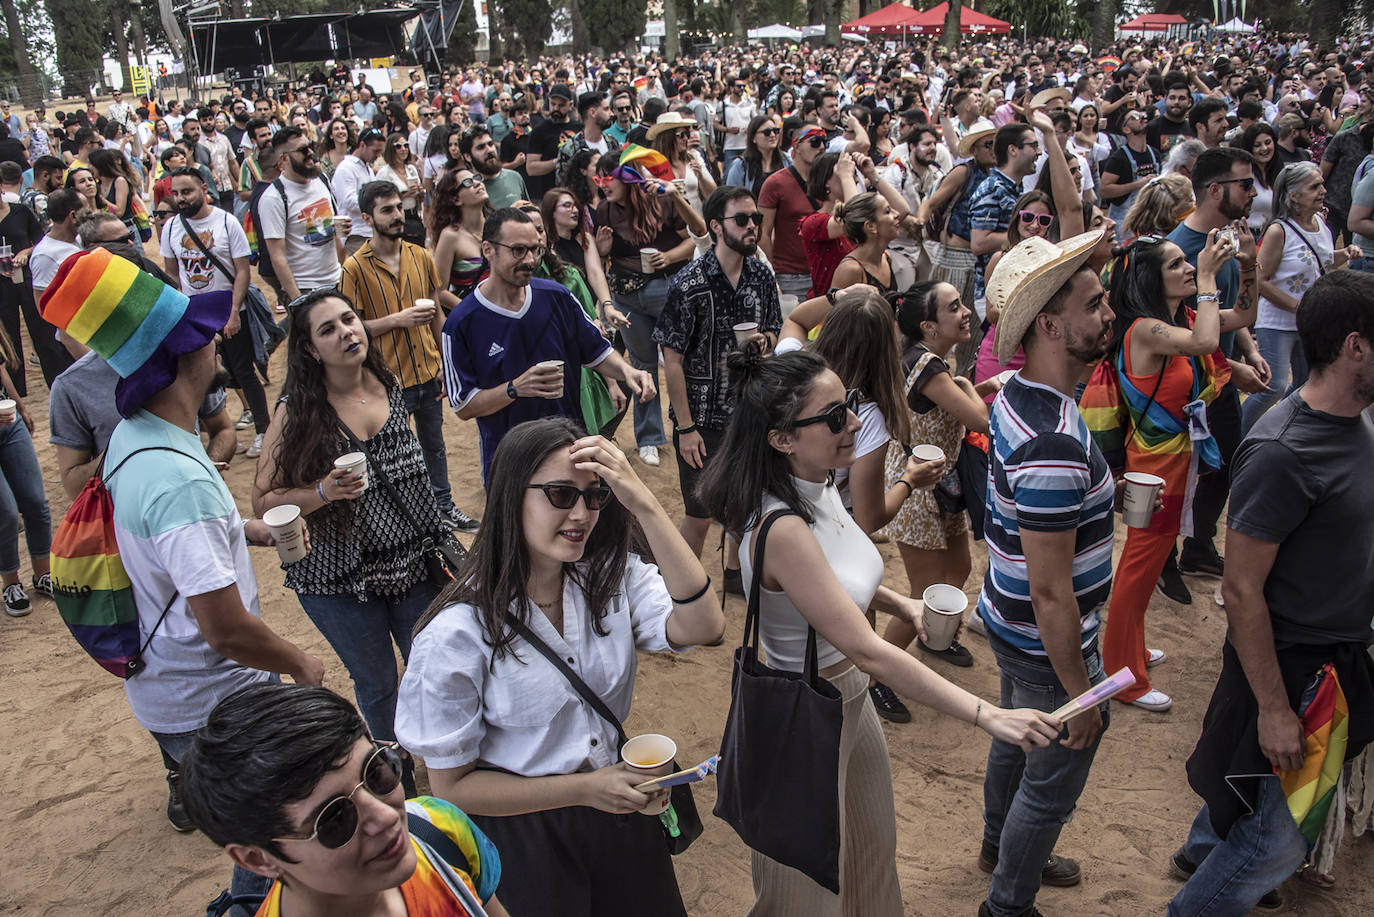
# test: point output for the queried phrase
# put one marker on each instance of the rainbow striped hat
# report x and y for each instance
(134, 321)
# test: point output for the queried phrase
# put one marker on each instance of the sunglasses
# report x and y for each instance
(837, 417)
(1246, 183)
(163, 214)
(770, 131)
(1029, 217)
(338, 819)
(469, 182)
(744, 219)
(622, 109)
(564, 496)
(815, 142)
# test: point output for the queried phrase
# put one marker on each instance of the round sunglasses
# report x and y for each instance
(337, 820)
(835, 418)
(564, 496)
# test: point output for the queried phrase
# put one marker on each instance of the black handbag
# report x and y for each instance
(684, 826)
(778, 780)
(442, 555)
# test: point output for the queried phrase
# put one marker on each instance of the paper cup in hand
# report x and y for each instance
(424, 303)
(646, 260)
(928, 453)
(1139, 503)
(744, 331)
(787, 302)
(353, 463)
(650, 755)
(285, 524)
(9, 408)
(944, 613)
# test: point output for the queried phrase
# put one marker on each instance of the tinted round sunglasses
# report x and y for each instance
(337, 820)
(564, 496)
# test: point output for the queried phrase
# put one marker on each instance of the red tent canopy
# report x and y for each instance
(1155, 22)
(970, 21)
(893, 19)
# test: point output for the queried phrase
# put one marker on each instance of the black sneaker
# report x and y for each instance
(1183, 868)
(42, 584)
(16, 601)
(955, 655)
(1172, 586)
(176, 812)
(888, 704)
(734, 582)
(1058, 871)
(1202, 560)
(985, 911)
(459, 521)
(245, 421)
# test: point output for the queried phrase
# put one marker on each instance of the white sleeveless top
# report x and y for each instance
(853, 558)
(1297, 271)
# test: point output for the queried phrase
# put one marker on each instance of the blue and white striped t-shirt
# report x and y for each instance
(1047, 475)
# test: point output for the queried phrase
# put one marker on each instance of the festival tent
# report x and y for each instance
(1153, 22)
(893, 19)
(1236, 25)
(970, 21)
(776, 30)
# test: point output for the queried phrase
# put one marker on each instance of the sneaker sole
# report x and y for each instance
(1197, 571)
(17, 612)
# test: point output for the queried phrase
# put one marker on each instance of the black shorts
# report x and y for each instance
(687, 475)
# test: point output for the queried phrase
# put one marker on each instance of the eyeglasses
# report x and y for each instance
(403, 143)
(1046, 220)
(306, 150)
(837, 417)
(162, 214)
(770, 131)
(338, 819)
(521, 252)
(622, 109)
(564, 496)
(1246, 183)
(1033, 144)
(744, 219)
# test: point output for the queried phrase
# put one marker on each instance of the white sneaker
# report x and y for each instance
(649, 455)
(975, 624)
(1156, 701)
(255, 450)
(1155, 658)
(1217, 597)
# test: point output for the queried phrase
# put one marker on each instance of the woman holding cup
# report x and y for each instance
(794, 423)
(397, 168)
(1168, 368)
(503, 732)
(364, 582)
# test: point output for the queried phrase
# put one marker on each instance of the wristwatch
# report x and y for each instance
(511, 393)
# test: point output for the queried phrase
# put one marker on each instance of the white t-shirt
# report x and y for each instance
(46, 258)
(352, 173)
(872, 435)
(306, 221)
(222, 235)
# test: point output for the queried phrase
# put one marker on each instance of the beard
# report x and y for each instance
(188, 208)
(220, 379)
(490, 167)
(1089, 349)
(307, 170)
(741, 245)
(1232, 210)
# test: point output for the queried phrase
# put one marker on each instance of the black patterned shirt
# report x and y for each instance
(698, 321)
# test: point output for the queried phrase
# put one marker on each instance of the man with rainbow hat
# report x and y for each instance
(180, 536)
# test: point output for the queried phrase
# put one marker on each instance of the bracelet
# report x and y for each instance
(977, 713)
(319, 489)
(1208, 297)
(683, 431)
(830, 294)
(909, 489)
(696, 595)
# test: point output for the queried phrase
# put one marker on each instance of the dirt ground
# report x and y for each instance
(84, 800)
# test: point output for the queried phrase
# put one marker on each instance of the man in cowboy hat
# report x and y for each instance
(1049, 536)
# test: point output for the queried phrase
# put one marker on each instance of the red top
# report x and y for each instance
(781, 192)
(823, 253)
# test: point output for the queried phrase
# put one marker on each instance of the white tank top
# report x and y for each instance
(1297, 271)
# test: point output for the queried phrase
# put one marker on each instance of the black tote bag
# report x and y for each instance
(778, 781)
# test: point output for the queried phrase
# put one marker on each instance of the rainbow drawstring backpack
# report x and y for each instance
(89, 583)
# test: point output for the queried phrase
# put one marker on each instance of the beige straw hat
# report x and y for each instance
(1025, 279)
(977, 131)
(668, 121)
(1042, 98)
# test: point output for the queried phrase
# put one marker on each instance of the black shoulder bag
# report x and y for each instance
(686, 827)
(442, 555)
(778, 780)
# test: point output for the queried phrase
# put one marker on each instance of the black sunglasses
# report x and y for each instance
(815, 142)
(162, 214)
(744, 219)
(564, 496)
(1030, 216)
(836, 417)
(770, 131)
(1245, 183)
(338, 819)
(470, 182)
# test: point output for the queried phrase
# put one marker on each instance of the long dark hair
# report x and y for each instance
(1138, 288)
(1247, 143)
(444, 207)
(494, 577)
(859, 343)
(310, 436)
(918, 304)
(769, 394)
(754, 165)
(643, 214)
(326, 142)
(575, 179)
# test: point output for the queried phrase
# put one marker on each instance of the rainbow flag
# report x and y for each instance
(1326, 725)
(643, 158)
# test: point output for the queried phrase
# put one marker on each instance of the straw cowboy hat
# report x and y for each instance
(669, 121)
(1042, 98)
(1025, 279)
(977, 131)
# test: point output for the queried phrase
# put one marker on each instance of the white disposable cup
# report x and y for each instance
(744, 331)
(550, 364)
(425, 303)
(787, 302)
(354, 462)
(928, 453)
(8, 409)
(1138, 506)
(944, 612)
(646, 260)
(285, 524)
(650, 755)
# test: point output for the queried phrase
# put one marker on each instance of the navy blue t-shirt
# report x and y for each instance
(1228, 278)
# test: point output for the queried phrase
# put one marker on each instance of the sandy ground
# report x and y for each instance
(83, 807)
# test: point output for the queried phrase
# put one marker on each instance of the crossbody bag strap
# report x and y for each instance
(586, 693)
(377, 471)
(1321, 269)
(443, 845)
(186, 228)
(792, 170)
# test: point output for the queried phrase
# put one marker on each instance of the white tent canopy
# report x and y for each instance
(776, 30)
(1236, 25)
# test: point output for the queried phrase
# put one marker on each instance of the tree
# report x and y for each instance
(462, 41)
(529, 23)
(29, 90)
(80, 44)
(1104, 23)
(953, 19)
(616, 24)
(671, 39)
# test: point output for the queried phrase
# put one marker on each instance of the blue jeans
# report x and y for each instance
(243, 883)
(1288, 370)
(1259, 852)
(643, 308)
(21, 491)
(429, 430)
(361, 634)
(1027, 798)
(727, 157)
(795, 284)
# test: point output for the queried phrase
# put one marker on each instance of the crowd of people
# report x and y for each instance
(898, 295)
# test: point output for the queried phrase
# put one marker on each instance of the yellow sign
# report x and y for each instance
(142, 81)
(379, 63)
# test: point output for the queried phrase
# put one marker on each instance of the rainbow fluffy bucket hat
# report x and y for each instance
(135, 322)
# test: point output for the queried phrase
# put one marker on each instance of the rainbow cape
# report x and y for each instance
(645, 159)
(1326, 726)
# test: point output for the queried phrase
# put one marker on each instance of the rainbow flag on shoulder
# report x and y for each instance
(1325, 722)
